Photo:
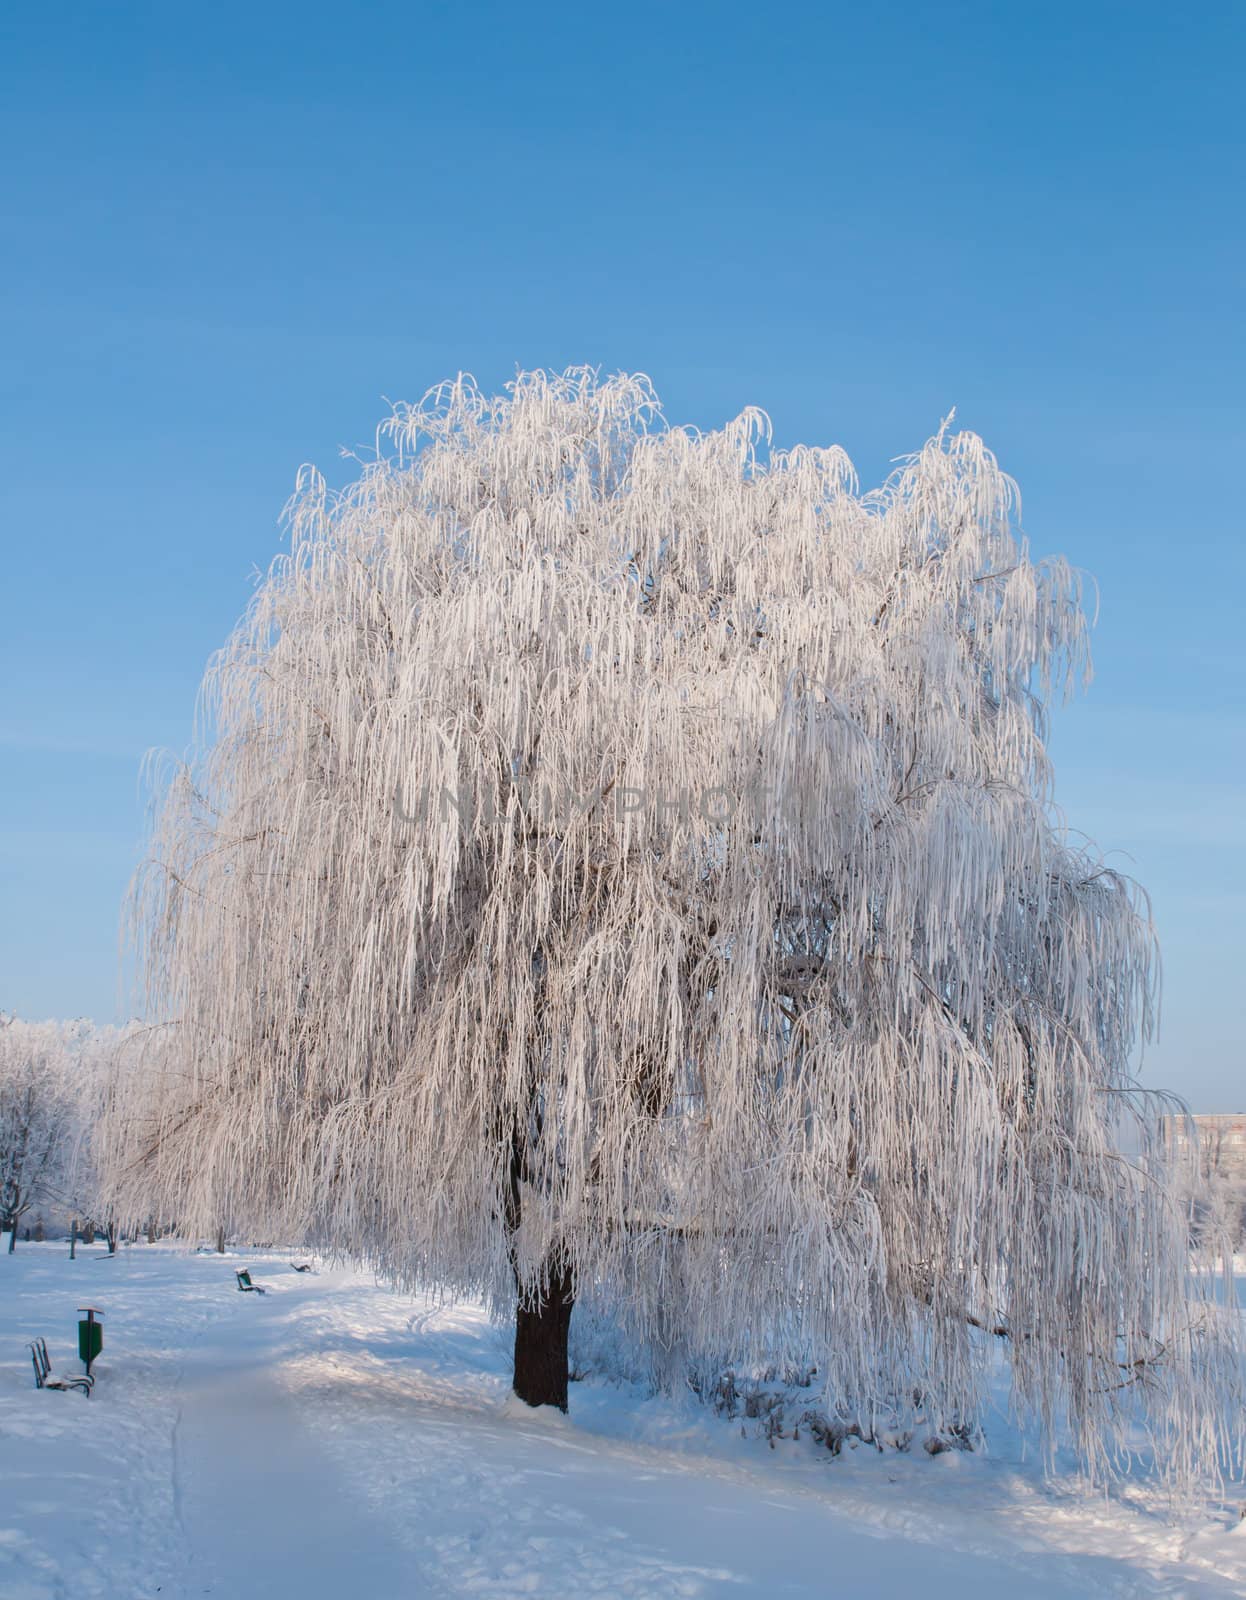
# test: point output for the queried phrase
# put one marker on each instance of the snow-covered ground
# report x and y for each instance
(334, 1439)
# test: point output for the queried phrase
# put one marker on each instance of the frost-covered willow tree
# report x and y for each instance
(622, 856)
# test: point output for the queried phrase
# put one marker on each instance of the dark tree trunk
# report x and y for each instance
(541, 1326)
(220, 1241)
(541, 1342)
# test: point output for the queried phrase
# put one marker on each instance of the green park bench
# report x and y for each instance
(45, 1378)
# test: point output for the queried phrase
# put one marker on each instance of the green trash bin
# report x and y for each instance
(90, 1337)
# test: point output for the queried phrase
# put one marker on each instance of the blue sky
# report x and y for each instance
(229, 233)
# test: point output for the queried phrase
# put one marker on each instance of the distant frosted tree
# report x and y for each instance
(100, 1059)
(623, 856)
(38, 1116)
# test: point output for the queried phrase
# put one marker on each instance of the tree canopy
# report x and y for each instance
(625, 856)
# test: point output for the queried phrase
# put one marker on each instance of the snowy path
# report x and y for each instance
(262, 1511)
(334, 1441)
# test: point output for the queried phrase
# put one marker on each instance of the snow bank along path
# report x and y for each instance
(333, 1439)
